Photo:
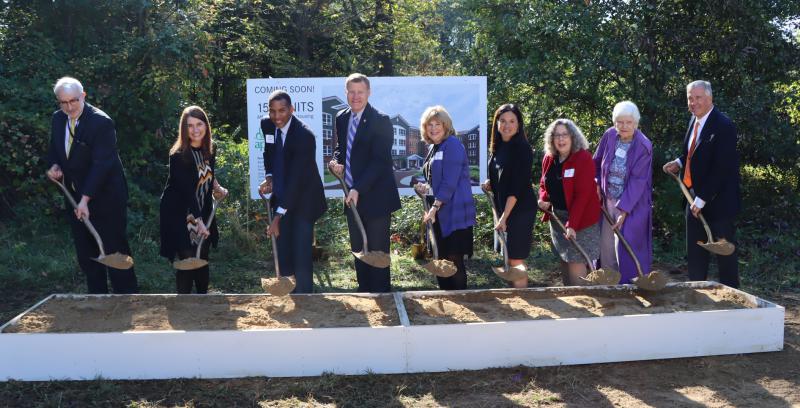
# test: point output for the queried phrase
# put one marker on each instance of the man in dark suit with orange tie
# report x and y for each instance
(292, 176)
(709, 167)
(363, 157)
(83, 154)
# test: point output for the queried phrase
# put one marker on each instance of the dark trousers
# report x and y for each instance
(371, 279)
(698, 258)
(111, 224)
(199, 278)
(294, 251)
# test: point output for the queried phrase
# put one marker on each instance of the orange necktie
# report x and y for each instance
(687, 174)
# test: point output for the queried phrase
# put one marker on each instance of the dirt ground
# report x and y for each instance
(211, 312)
(749, 380)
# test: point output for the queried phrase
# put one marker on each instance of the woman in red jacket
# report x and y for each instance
(567, 187)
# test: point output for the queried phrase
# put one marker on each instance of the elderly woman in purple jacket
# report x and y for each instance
(449, 189)
(623, 162)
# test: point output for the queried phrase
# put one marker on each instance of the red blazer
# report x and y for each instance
(580, 190)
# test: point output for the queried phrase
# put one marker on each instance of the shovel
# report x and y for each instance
(377, 259)
(439, 267)
(654, 280)
(115, 260)
(279, 285)
(596, 276)
(720, 247)
(507, 272)
(196, 262)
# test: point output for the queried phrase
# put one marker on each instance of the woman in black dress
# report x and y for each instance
(511, 178)
(187, 199)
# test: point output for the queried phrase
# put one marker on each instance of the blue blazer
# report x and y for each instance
(451, 185)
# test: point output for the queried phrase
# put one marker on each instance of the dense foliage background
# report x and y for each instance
(143, 61)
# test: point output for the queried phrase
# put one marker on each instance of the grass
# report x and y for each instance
(37, 259)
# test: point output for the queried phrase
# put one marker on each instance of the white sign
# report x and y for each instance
(317, 100)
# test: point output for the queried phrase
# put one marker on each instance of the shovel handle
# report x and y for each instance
(690, 199)
(622, 239)
(356, 217)
(271, 238)
(501, 234)
(574, 242)
(431, 234)
(85, 220)
(210, 220)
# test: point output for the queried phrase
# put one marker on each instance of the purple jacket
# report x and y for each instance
(636, 198)
(451, 185)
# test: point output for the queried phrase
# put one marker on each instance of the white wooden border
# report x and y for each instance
(398, 349)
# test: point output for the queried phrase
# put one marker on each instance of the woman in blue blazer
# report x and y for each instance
(452, 212)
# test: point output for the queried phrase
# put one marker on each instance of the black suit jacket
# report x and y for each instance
(303, 193)
(371, 161)
(93, 167)
(715, 166)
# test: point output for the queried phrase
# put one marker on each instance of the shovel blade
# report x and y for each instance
(512, 273)
(441, 268)
(603, 277)
(116, 261)
(189, 264)
(375, 259)
(281, 286)
(653, 281)
(720, 247)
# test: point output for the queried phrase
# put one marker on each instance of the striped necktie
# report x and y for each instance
(687, 174)
(351, 135)
(72, 123)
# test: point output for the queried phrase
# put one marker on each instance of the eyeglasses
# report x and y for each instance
(564, 135)
(69, 102)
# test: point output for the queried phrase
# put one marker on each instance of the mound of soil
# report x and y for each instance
(205, 312)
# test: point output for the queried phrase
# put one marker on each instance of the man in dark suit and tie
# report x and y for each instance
(83, 154)
(292, 176)
(709, 166)
(363, 156)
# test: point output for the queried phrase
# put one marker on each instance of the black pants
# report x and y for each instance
(110, 221)
(371, 279)
(698, 258)
(184, 280)
(294, 251)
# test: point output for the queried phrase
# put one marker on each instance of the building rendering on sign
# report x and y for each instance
(408, 148)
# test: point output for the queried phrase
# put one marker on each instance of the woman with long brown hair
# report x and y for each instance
(186, 202)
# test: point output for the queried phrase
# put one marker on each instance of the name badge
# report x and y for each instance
(569, 173)
(270, 138)
(621, 153)
(438, 156)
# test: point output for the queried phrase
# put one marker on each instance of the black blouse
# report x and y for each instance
(511, 174)
(555, 186)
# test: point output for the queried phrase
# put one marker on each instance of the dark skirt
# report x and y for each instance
(519, 232)
(459, 242)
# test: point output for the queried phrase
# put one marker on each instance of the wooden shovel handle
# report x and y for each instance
(690, 199)
(573, 241)
(271, 238)
(431, 234)
(356, 217)
(85, 220)
(622, 239)
(210, 220)
(501, 234)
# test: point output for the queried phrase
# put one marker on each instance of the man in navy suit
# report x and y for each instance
(363, 157)
(83, 154)
(292, 176)
(709, 166)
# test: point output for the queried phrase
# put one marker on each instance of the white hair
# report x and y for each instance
(69, 85)
(700, 84)
(626, 108)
